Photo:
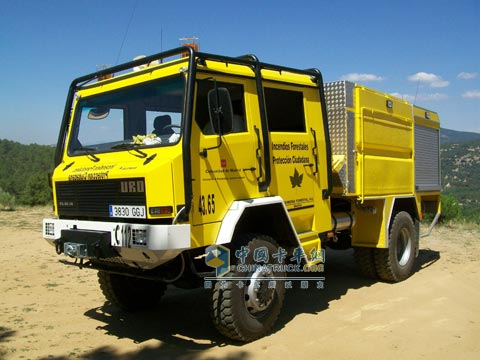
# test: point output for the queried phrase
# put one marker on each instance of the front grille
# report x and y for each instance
(92, 198)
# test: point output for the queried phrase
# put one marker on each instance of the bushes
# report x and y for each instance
(7, 201)
(450, 208)
(453, 211)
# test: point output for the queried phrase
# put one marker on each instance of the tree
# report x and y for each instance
(37, 191)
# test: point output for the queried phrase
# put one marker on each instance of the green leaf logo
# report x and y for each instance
(296, 179)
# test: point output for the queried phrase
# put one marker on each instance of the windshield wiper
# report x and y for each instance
(129, 147)
(88, 152)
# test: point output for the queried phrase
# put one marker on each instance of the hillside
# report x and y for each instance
(461, 176)
(453, 136)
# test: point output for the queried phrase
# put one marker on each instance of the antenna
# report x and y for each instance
(416, 93)
(126, 31)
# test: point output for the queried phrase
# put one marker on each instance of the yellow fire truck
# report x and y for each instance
(185, 166)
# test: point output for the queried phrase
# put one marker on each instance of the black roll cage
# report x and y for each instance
(194, 59)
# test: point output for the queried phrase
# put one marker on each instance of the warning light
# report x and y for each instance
(192, 42)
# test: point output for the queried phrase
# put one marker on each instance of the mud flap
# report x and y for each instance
(417, 237)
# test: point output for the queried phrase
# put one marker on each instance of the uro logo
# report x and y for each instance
(132, 186)
(218, 257)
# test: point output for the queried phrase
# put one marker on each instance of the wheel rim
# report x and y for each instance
(404, 247)
(258, 295)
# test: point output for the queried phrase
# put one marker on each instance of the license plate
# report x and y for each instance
(127, 211)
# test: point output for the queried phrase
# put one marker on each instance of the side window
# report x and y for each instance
(285, 111)
(202, 116)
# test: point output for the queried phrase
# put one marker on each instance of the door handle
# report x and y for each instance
(315, 150)
(258, 153)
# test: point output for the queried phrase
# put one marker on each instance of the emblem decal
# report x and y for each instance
(296, 179)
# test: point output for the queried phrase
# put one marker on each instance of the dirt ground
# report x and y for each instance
(49, 310)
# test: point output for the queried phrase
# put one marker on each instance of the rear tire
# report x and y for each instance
(130, 293)
(365, 261)
(396, 263)
(248, 313)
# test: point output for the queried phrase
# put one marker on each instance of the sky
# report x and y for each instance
(425, 51)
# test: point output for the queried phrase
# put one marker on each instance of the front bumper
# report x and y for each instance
(138, 245)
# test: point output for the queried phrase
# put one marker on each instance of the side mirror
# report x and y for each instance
(99, 113)
(220, 110)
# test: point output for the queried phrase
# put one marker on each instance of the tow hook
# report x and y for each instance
(58, 246)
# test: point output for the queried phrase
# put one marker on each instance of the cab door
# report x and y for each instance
(293, 151)
(224, 167)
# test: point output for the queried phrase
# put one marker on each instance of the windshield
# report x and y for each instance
(144, 115)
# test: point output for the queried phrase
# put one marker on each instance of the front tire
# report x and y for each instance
(130, 293)
(396, 263)
(249, 311)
